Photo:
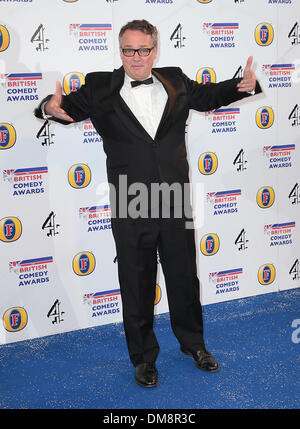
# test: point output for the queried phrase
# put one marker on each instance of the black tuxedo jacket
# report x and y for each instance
(129, 148)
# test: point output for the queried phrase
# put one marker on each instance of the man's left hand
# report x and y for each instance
(248, 83)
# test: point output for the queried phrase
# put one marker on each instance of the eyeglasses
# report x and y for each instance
(143, 52)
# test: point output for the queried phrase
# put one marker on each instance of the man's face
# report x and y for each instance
(138, 68)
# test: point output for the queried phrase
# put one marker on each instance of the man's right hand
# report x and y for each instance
(52, 107)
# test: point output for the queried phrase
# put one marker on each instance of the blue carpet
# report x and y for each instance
(251, 338)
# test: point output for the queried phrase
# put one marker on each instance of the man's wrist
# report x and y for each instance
(44, 114)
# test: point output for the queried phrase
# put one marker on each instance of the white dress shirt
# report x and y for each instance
(147, 102)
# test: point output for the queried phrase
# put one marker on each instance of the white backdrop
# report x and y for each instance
(58, 268)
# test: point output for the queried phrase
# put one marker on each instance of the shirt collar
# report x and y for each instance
(128, 80)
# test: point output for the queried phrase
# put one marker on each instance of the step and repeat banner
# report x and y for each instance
(58, 259)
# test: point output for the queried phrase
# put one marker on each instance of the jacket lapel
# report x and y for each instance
(126, 115)
(170, 103)
(121, 108)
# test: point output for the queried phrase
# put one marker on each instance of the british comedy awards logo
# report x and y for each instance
(226, 281)
(21, 87)
(224, 202)
(280, 156)
(88, 132)
(221, 35)
(97, 218)
(280, 234)
(223, 120)
(31, 271)
(159, 2)
(91, 37)
(26, 181)
(103, 304)
(279, 75)
(283, 2)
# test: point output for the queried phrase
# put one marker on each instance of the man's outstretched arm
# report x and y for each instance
(215, 95)
(53, 106)
(66, 109)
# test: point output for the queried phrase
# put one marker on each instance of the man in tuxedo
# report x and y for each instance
(141, 114)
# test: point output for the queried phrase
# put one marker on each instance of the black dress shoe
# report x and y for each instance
(203, 360)
(146, 375)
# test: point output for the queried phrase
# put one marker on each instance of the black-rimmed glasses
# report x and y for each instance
(142, 52)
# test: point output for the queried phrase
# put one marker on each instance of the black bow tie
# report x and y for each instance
(135, 83)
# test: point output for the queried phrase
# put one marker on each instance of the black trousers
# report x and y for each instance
(137, 241)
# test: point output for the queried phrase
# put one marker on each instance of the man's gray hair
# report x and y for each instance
(143, 26)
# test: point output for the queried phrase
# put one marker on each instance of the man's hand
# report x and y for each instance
(52, 107)
(248, 83)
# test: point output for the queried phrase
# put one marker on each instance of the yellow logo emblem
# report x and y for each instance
(264, 34)
(72, 82)
(15, 319)
(208, 163)
(10, 229)
(7, 136)
(265, 197)
(84, 263)
(266, 274)
(209, 244)
(79, 176)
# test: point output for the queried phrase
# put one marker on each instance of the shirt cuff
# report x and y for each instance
(43, 111)
(251, 92)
